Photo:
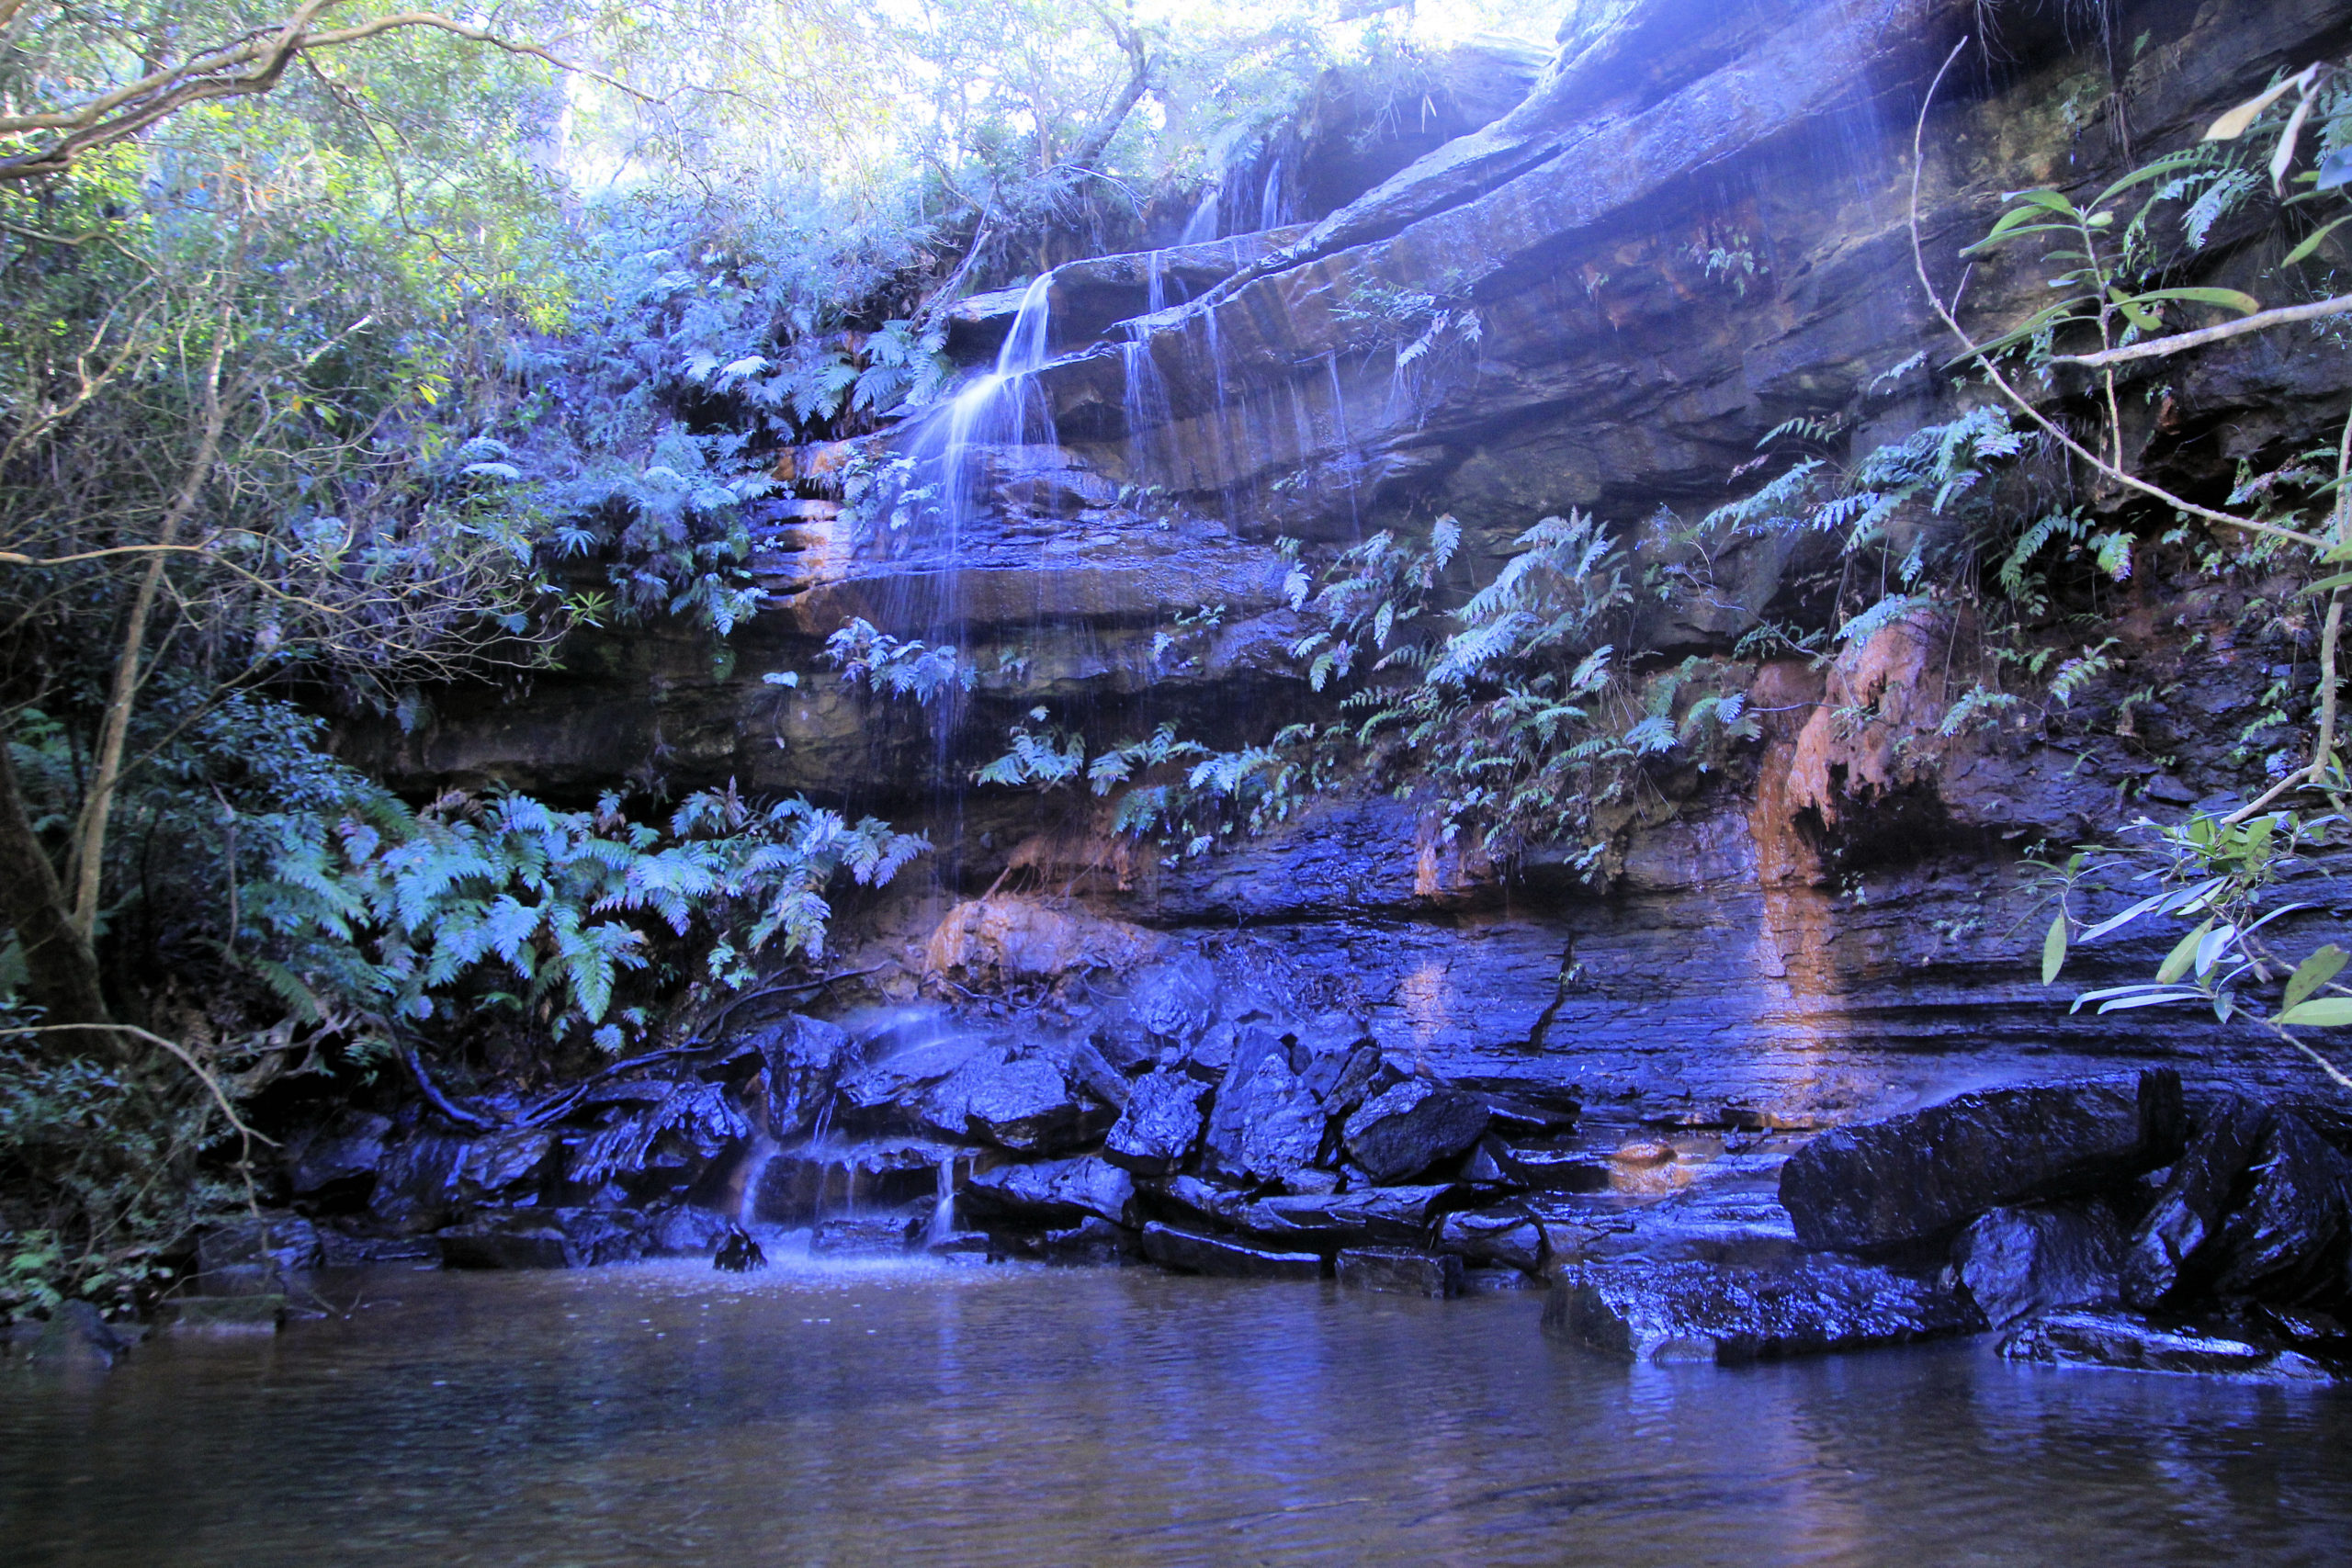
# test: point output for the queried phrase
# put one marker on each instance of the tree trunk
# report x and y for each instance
(61, 970)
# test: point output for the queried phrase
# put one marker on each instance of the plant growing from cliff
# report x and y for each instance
(897, 667)
(2214, 869)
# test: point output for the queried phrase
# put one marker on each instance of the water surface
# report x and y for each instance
(970, 1415)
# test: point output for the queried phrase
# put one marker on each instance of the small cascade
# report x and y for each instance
(1143, 401)
(762, 1151)
(1003, 408)
(1275, 206)
(1201, 227)
(1155, 289)
(942, 1212)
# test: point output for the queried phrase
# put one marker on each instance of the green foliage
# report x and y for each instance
(908, 668)
(408, 919)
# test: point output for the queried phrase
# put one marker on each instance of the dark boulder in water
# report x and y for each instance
(2131, 1343)
(1058, 1193)
(1192, 1253)
(805, 1058)
(1162, 1125)
(1412, 1125)
(2171, 1253)
(1400, 1272)
(887, 1236)
(2019, 1261)
(1266, 1123)
(2289, 1239)
(1912, 1177)
(1697, 1312)
(1026, 1103)
(738, 1254)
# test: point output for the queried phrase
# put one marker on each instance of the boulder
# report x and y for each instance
(1191, 1252)
(417, 1185)
(534, 1243)
(1265, 1123)
(1400, 1272)
(505, 1163)
(1510, 1235)
(662, 1146)
(2131, 1343)
(1016, 1102)
(809, 1183)
(987, 944)
(688, 1230)
(1200, 1199)
(887, 1236)
(1915, 1177)
(901, 1079)
(1330, 1220)
(1091, 1243)
(805, 1058)
(251, 1253)
(2288, 1239)
(343, 1154)
(1338, 1060)
(1162, 1125)
(77, 1334)
(2170, 1256)
(2018, 1262)
(1058, 1192)
(1687, 1312)
(1175, 1002)
(264, 1314)
(1412, 1125)
(1740, 1229)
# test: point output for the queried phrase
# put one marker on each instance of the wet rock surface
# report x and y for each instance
(2128, 1342)
(1670, 1312)
(1192, 1252)
(1910, 1178)
(2018, 1262)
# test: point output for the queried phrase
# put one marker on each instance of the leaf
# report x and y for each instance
(2239, 120)
(2210, 951)
(2228, 299)
(2125, 1004)
(2334, 170)
(2183, 955)
(2311, 974)
(2327, 1012)
(2053, 948)
(2311, 241)
(2284, 157)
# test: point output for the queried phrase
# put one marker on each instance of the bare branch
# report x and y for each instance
(2262, 321)
(240, 67)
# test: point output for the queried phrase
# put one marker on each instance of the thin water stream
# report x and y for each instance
(975, 1415)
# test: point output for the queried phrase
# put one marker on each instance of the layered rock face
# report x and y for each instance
(1694, 227)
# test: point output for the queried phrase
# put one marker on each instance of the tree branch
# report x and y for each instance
(2262, 321)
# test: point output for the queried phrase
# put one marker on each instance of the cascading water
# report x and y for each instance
(942, 1212)
(1201, 227)
(1003, 409)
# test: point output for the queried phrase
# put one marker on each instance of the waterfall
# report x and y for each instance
(1273, 201)
(1003, 409)
(1201, 227)
(755, 1163)
(943, 1212)
(1143, 399)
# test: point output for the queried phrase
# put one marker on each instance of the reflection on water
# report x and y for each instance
(666, 1413)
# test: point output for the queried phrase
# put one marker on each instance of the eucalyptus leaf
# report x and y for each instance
(2327, 1012)
(2311, 974)
(2053, 948)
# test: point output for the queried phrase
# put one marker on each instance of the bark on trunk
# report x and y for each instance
(61, 969)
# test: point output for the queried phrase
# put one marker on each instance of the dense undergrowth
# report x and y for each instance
(395, 364)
